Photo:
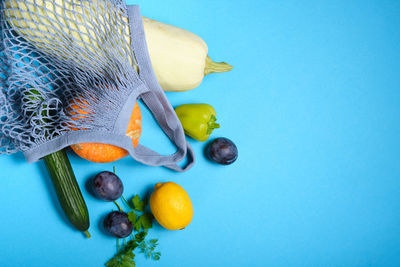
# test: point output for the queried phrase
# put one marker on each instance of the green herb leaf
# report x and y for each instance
(130, 256)
(156, 256)
(125, 257)
(147, 220)
(132, 217)
(126, 262)
(147, 248)
(138, 204)
(138, 224)
(139, 237)
(135, 200)
(114, 262)
(130, 246)
(142, 247)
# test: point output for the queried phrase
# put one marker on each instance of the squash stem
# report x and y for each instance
(215, 67)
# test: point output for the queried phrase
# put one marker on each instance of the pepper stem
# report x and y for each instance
(214, 67)
(212, 124)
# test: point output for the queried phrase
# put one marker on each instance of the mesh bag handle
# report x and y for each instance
(147, 156)
(156, 100)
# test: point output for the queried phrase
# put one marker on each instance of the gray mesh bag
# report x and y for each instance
(71, 72)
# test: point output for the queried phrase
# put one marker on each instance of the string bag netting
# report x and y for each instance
(71, 72)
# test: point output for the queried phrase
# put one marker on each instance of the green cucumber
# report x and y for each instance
(67, 190)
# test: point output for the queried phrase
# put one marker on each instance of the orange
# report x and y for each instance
(103, 153)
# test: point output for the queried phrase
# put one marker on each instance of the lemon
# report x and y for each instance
(171, 206)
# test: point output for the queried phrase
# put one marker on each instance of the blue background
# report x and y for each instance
(313, 104)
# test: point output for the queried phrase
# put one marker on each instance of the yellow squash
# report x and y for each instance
(179, 57)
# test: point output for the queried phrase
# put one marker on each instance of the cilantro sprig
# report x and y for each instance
(142, 221)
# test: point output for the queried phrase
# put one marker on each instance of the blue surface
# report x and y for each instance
(313, 106)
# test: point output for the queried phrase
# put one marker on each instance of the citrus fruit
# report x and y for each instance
(171, 206)
(103, 153)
